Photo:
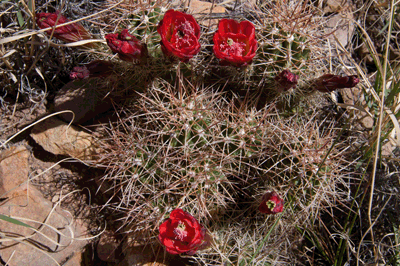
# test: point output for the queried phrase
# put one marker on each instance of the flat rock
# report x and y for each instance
(147, 254)
(42, 248)
(49, 238)
(75, 260)
(86, 98)
(334, 5)
(354, 99)
(13, 169)
(138, 255)
(202, 10)
(107, 246)
(342, 27)
(59, 138)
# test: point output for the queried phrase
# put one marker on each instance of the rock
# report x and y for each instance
(57, 137)
(30, 204)
(74, 260)
(354, 98)
(201, 11)
(107, 246)
(86, 98)
(342, 27)
(23, 202)
(13, 169)
(365, 54)
(147, 254)
(340, 24)
(334, 5)
(388, 148)
(137, 255)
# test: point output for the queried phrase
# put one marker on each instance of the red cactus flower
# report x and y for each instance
(235, 43)
(128, 47)
(97, 68)
(181, 233)
(330, 82)
(180, 35)
(70, 33)
(271, 203)
(286, 80)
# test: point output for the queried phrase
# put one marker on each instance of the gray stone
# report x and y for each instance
(342, 27)
(334, 5)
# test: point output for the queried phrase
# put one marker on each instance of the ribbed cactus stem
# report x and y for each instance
(289, 51)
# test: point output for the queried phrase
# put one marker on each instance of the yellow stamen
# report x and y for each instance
(270, 204)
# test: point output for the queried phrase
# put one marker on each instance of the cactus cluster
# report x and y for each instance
(192, 142)
(189, 147)
(196, 139)
(287, 50)
(288, 37)
(143, 25)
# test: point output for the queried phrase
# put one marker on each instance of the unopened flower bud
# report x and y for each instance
(127, 46)
(286, 80)
(330, 82)
(69, 33)
(97, 68)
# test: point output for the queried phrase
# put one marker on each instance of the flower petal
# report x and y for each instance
(235, 42)
(180, 35)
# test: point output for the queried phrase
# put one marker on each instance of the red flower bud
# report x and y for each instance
(330, 82)
(181, 233)
(271, 203)
(180, 35)
(97, 68)
(70, 33)
(286, 80)
(128, 47)
(79, 73)
(235, 43)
